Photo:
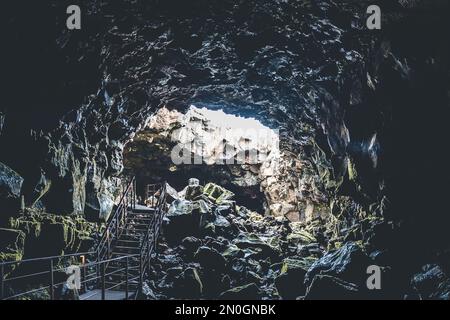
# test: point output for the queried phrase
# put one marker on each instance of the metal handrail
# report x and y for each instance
(53, 285)
(103, 250)
(147, 246)
(46, 258)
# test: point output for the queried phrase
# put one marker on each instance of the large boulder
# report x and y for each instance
(185, 218)
(10, 182)
(290, 281)
(324, 287)
(431, 283)
(100, 198)
(247, 292)
(216, 193)
(348, 263)
(194, 190)
(12, 244)
(210, 259)
(191, 244)
(300, 237)
(10, 188)
(254, 242)
(51, 235)
(189, 284)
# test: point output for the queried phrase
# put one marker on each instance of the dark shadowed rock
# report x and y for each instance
(10, 182)
(432, 283)
(324, 287)
(12, 245)
(10, 187)
(349, 263)
(263, 250)
(290, 281)
(247, 292)
(210, 259)
(191, 244)
(189, 284)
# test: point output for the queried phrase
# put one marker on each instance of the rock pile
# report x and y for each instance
(214, 248)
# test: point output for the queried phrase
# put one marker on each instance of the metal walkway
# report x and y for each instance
(114, 271)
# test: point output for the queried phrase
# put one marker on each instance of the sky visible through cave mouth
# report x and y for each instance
(216, 132)
(219, 118)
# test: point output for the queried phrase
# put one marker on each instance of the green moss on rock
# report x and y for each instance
(217, 193)
(48, 234)
(12, 243)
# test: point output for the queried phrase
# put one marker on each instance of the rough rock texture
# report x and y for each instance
(346, 263)
(431, 283)
(325, 287)
(364, 111)
(12, 244)
(240, 152)
(10, 186)
(303, 67)
(236, 253)
(43, 235)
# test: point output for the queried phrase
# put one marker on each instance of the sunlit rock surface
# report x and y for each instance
(246, 149)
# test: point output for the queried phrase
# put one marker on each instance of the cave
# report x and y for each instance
(235, 152)
(297, 154)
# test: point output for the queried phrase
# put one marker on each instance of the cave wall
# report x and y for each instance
(358, 103)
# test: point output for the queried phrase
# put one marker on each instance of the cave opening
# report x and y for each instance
(235, 152)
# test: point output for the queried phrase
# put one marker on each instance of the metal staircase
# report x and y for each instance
(121, 259)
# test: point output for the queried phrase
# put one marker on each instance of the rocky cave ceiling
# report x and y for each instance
(237, 153)
(304, 67)
(361, 115)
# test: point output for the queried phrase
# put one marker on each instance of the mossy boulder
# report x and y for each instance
(300, 237)
(48, 234)
(290, 281)
(247, 292)
(12, 243)
(263, 249)
(216, 193)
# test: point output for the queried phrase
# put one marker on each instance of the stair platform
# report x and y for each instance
(143, 209)
(109, 295)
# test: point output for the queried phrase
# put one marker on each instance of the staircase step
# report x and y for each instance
(132, 265)
(136, 231)
(120, 275)
(126, 236)
(143, 209)
(140, 219)
(129, 242)
(127, 248)
(137, 224)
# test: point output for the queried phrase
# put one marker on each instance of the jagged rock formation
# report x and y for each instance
(215, 248)
(240, 152)
(363, 111)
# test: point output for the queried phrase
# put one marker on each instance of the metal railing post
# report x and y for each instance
(97, 272)
(103, 281)
(108, 239)
(149, 257)
(117, 227)
(135, 194)
(126, 278)
(52, 281)
(140, 272)
(2, 284)
(84, 286)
